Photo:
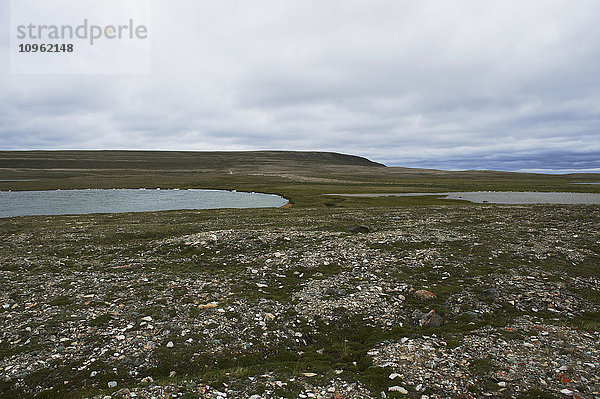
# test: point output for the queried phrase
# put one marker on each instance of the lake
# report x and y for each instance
(66, 202)
(503, 197)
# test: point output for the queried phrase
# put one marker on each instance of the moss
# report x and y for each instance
(482, 366)
(536, 394)
(101, 320)
(61, 301)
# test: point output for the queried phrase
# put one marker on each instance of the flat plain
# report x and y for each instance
(335, 297)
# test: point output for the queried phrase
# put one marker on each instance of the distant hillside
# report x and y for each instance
(173, 160)
(301, 177)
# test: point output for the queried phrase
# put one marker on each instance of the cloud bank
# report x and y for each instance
(509, 85)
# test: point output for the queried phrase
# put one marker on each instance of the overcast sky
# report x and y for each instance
(507, 85)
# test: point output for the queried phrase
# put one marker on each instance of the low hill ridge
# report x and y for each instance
(172, 159)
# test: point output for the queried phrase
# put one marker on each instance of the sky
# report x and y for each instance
(504, 85)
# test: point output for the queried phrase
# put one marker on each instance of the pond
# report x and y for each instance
(503, 197)
(66, 202)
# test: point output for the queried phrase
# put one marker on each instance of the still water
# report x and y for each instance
(503, 197)
(65, 202)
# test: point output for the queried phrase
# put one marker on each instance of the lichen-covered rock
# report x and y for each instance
(424, 295)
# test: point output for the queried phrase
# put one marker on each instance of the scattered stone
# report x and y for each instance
(318, 279)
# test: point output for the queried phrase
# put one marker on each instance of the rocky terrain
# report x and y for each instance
(449, 301)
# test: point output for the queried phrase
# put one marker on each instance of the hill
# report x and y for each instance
(174, 160)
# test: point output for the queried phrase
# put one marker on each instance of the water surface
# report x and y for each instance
(65, 202)
(503, 197)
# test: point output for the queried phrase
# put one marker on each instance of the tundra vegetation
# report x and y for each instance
(335, 297)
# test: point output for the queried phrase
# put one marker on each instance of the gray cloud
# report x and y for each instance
(469, 85)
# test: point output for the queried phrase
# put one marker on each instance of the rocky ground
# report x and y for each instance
(456, 301)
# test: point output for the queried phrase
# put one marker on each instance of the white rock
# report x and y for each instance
(93, 374)
(394, 375)
(566, 391)
(269, 316)
(120, 337)
(502, 384)
(397, 388)
(147, 318)
(170, 344)
(112, 384)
